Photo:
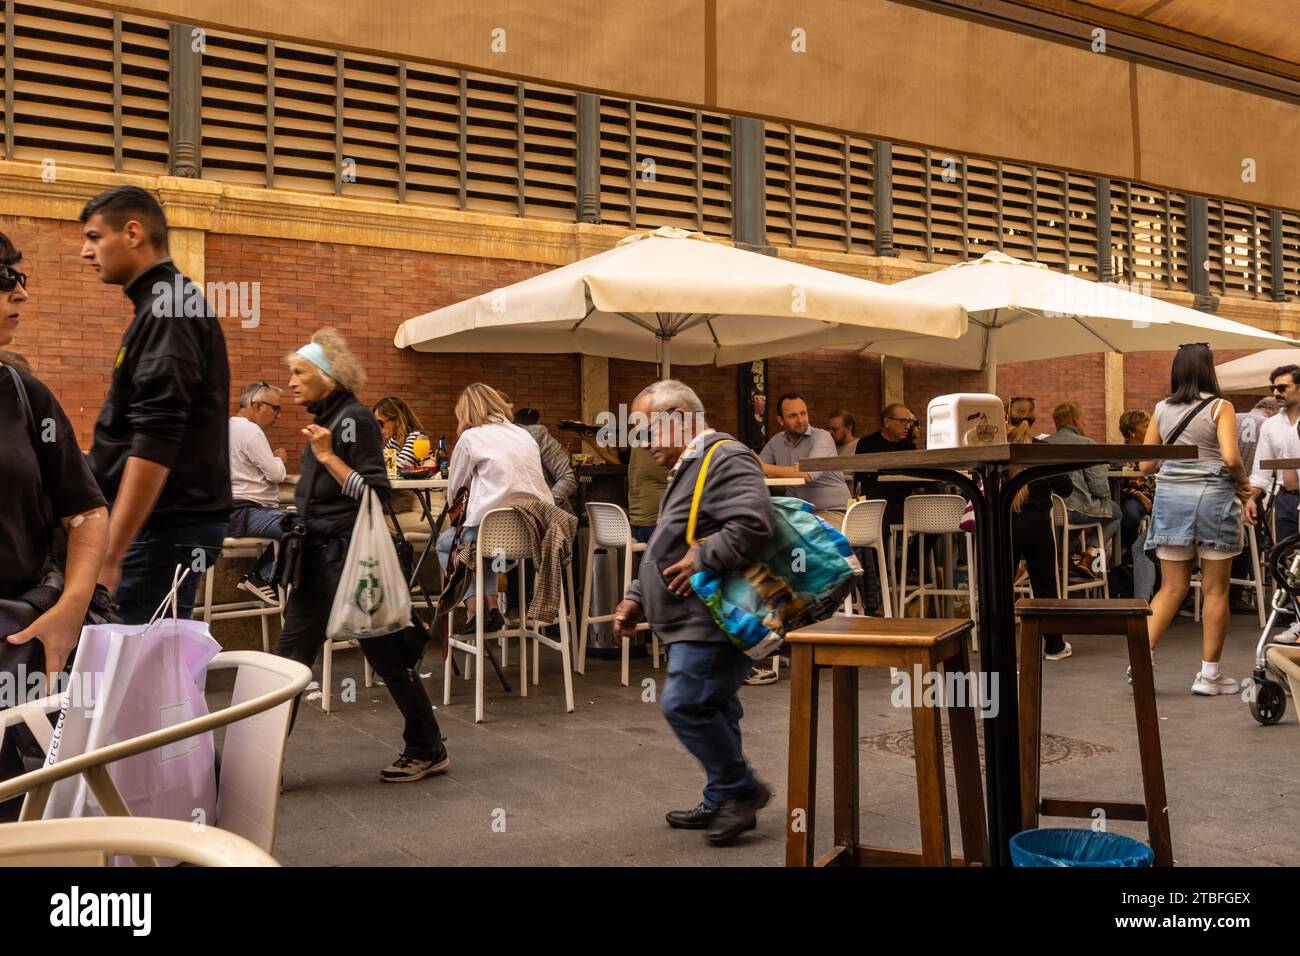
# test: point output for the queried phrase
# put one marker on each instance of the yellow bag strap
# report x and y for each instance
(699, 487)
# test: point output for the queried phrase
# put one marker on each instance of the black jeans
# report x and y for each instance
(394, 657)
(1031, 542)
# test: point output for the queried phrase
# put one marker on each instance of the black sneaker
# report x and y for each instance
(406, 769)
(259, 589)
(735, 816)
(493, 623)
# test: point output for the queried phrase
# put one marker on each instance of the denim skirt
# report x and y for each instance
(1196, 505)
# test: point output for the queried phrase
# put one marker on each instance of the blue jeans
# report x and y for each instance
(641, 532)
(151, 561)
(701, 705)
(1109, 526)
(259, 522)
(1144, 569)
(468, 535)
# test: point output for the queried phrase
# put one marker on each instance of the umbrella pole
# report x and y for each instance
(665, 368)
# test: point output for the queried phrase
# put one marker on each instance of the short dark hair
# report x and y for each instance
(787, 397)
(1292, 370)
(1192, 373)
(849, 421)
(9, 254)
(890, 410)
(121, 204)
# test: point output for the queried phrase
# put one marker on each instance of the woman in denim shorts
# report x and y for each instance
(1198, 507)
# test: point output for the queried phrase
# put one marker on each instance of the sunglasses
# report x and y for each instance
(274, 408)
(11, 278)
(1021, 421)
(1195, 345)
(1281, 386)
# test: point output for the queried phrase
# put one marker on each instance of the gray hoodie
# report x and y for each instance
(735, 518)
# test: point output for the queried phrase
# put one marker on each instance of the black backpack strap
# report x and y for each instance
(1186, 420)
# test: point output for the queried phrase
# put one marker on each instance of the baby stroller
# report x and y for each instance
(1267, 696)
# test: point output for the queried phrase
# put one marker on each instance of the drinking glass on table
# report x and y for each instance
(420, 448)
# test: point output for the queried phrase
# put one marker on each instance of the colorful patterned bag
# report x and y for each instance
(801, 576)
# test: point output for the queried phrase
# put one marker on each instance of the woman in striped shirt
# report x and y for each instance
(400, 429)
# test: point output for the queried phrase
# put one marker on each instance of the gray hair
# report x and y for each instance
(1269, 404)
(671, 393)
(250, 393)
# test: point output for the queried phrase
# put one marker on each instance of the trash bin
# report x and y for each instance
(1076, 847)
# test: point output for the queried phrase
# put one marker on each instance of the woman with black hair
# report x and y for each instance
(49, 492)
(1198, 507)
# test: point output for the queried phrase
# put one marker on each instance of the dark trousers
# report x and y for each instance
(1285, 514)
(394, 657)
(701, 704)
(151, 561)
(1031, 542)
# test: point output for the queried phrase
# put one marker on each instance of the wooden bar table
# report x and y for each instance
(1000, 470)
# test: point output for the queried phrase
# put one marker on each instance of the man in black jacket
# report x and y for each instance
(705, 670)
(160, 448)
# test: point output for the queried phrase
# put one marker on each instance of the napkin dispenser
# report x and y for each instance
(965, 419)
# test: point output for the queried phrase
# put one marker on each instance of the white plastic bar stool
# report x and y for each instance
(611, 530)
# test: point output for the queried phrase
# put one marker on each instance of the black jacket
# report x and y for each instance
(1038, 503)
(330, 512)
(167, 401)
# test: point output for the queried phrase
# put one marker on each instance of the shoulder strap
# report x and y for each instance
(24, 403)
(699, 488)
(1186, 420)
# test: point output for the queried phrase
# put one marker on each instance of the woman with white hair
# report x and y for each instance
(343, 460)
(496, 459)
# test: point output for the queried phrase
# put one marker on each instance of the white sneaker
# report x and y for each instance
(1290, 636)
(1060, 655)
(1128, 671)
(1223, 684)
(761, 675)
(262, 591)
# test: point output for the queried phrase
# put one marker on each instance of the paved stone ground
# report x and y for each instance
(590, 788)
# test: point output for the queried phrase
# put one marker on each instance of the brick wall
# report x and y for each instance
(73, 324)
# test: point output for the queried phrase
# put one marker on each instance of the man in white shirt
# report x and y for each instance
(1278, 438)
(255, 475)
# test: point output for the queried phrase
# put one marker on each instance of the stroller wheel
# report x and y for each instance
(1267, 702)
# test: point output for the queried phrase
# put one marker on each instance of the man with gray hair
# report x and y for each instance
(255, 475)
(705, 670)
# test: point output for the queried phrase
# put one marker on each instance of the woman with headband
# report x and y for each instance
(344, 457)
(1197, 511)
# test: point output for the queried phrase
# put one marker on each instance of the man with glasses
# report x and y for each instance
(1278, 438)
(255, 475)
(897, 433)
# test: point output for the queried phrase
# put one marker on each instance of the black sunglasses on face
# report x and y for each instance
(1282, 386)
(10, 278)
(274, 408)
(1020, 421)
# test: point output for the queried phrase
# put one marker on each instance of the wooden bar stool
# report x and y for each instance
(845, 644)
(1127, 618)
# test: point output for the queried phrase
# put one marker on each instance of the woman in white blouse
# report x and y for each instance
(496, 459)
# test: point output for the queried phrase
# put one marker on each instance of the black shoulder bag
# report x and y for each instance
(1186, 420)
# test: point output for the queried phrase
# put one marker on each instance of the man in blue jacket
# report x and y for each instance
(705, 670)
(161, 445)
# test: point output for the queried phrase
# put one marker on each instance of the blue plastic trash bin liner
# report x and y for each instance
(1076, 847)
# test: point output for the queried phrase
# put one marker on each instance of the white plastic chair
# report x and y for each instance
(252, 755)
(864, 528)
(241, 548)
(934, 514)
(1061, 520)
(94, 841)
(1255, 581)
(609, 529)
(502, 536)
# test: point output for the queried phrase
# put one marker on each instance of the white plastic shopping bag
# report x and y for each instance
(372, 597)
(129, 680)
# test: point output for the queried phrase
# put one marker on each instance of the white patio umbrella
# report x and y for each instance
(707, 301)
(1248, 375)
(1020, 311)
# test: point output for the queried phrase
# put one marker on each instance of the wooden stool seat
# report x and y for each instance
(846, 644)
(1127, 618)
